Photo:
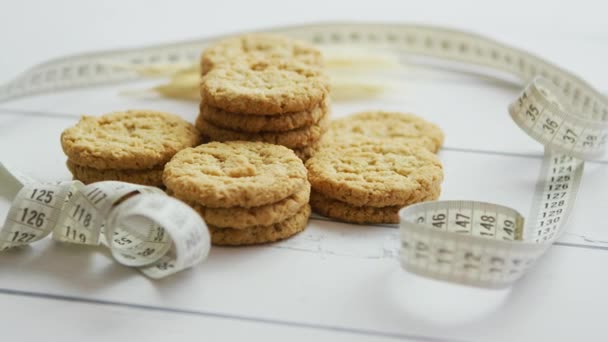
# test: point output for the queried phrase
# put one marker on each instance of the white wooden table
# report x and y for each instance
(335, 281)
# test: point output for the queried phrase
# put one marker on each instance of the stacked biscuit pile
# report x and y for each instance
(264, 88)
(372, 164)
(247, 192)
(131, 146)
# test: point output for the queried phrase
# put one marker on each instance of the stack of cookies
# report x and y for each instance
(247, 192)
(131, 146)
(372, 164)
(264, 88)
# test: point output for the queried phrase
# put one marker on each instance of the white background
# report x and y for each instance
(335, 281)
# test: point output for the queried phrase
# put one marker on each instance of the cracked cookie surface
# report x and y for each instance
(256, 86)
(237, 173)
(374, 173)
(392, 126)
(261, 45)
(135, 139)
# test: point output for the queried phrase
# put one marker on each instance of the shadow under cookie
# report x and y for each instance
(346, 212)
(349, 213)
(269, 46)
(87, 175)
(307, 152)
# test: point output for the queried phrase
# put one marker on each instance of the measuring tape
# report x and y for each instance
(142, 226)
(475, 243)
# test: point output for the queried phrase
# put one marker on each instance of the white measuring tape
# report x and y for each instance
(141, 225)
(468, 242)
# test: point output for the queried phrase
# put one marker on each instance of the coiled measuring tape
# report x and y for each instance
(468, 242)
(142, 226)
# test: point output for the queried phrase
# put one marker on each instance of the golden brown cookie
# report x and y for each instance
(261, 234)
(87, 175)
(261, 87)
(349, 213)
(385, 125)
(238, 173)
(375, 173)
(297, 138)
(261, 45)
(135, 139)
(264, 123)
(242, 218)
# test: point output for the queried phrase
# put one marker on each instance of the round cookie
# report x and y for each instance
(135, 139)
(87, 175)
(375, 173)
(235, 174)
(267, 46)
(297, 138)
(385, 125)
(261, 87)
(243, 218)
(343, 211)
(261, 234)
(263, 123)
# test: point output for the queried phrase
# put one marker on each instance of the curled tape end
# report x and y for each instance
(143, 226)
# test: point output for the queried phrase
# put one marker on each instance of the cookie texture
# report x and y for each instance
(267, 46)
(264, 123)
(135, 139)
(393, 126)
(349, 213)
(87, 175)
(256, 86)
(373, 173)
(297, 138)
(239, 173)
(243, 218)
(261, 234)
